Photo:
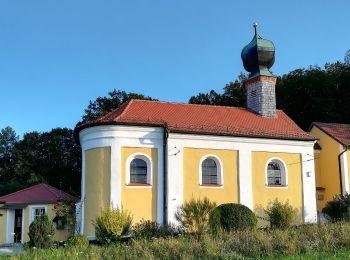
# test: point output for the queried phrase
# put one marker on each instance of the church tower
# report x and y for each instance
(258, 57)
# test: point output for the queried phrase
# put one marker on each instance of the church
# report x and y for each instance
(150, 157)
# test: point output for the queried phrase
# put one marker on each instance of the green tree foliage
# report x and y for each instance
(194, 215)
(231, 216)
(111, 225)
(103, 105)
(51, 157)
(41, 231)
(316, 94)
(281, 215)
(8, 140)
(234, 95)
(8, 181)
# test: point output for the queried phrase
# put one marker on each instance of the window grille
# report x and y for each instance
(209, 172)
(138, 171)
(38, 212)
(274, 174)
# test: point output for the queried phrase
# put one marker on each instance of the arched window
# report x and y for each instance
(276, 173)
(209, 172)
(138, 171)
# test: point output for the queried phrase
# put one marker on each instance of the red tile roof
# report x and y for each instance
(202, 119)
(339, 132)
(40, 193)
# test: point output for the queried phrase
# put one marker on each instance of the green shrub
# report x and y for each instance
(232, 216)
(111, 225)
(78, 241)
(41, 231)
(194, 215)
(281, 215)
(147, 229)
(338, 208)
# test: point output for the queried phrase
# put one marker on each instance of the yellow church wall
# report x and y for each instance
(263, 195)
(3, 224)
(228, 193)
(140, 201)
(97, 185)
(327, 168)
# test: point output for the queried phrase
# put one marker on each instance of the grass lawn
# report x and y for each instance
(114, 252)
(331, 241)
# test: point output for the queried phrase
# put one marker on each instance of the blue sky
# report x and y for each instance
(55, 56)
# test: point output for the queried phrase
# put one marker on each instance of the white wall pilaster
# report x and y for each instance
(344, 170)
(245, 177)
(309, 186)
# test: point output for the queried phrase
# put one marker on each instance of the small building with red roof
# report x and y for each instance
(332, 160)
(151, 157)
(19, 209)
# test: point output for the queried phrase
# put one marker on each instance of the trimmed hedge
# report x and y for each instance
(231, 217)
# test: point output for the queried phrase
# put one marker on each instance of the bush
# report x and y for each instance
(41, 231)
(338, 208)
(111, 225)
(194, 215)
(147, 229)
(281, 215)
(232, 216)
(78, 241)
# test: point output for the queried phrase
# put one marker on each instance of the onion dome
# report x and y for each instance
(258, 56)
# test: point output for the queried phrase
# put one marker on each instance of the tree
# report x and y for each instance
(103, 105)
(8, 139)
(315, 94)
(234, 95)
(51, 157)
(347, 58)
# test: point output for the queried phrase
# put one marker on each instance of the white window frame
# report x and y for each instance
(284, 173)
(32, 211)
(220, 171)
(149, 164)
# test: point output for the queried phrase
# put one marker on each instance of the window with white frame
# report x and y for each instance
(37, 211)
(139, 170)
(210, 171)
(276, 173)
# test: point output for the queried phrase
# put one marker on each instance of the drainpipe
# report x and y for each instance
(340, 169)
(165, 175)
